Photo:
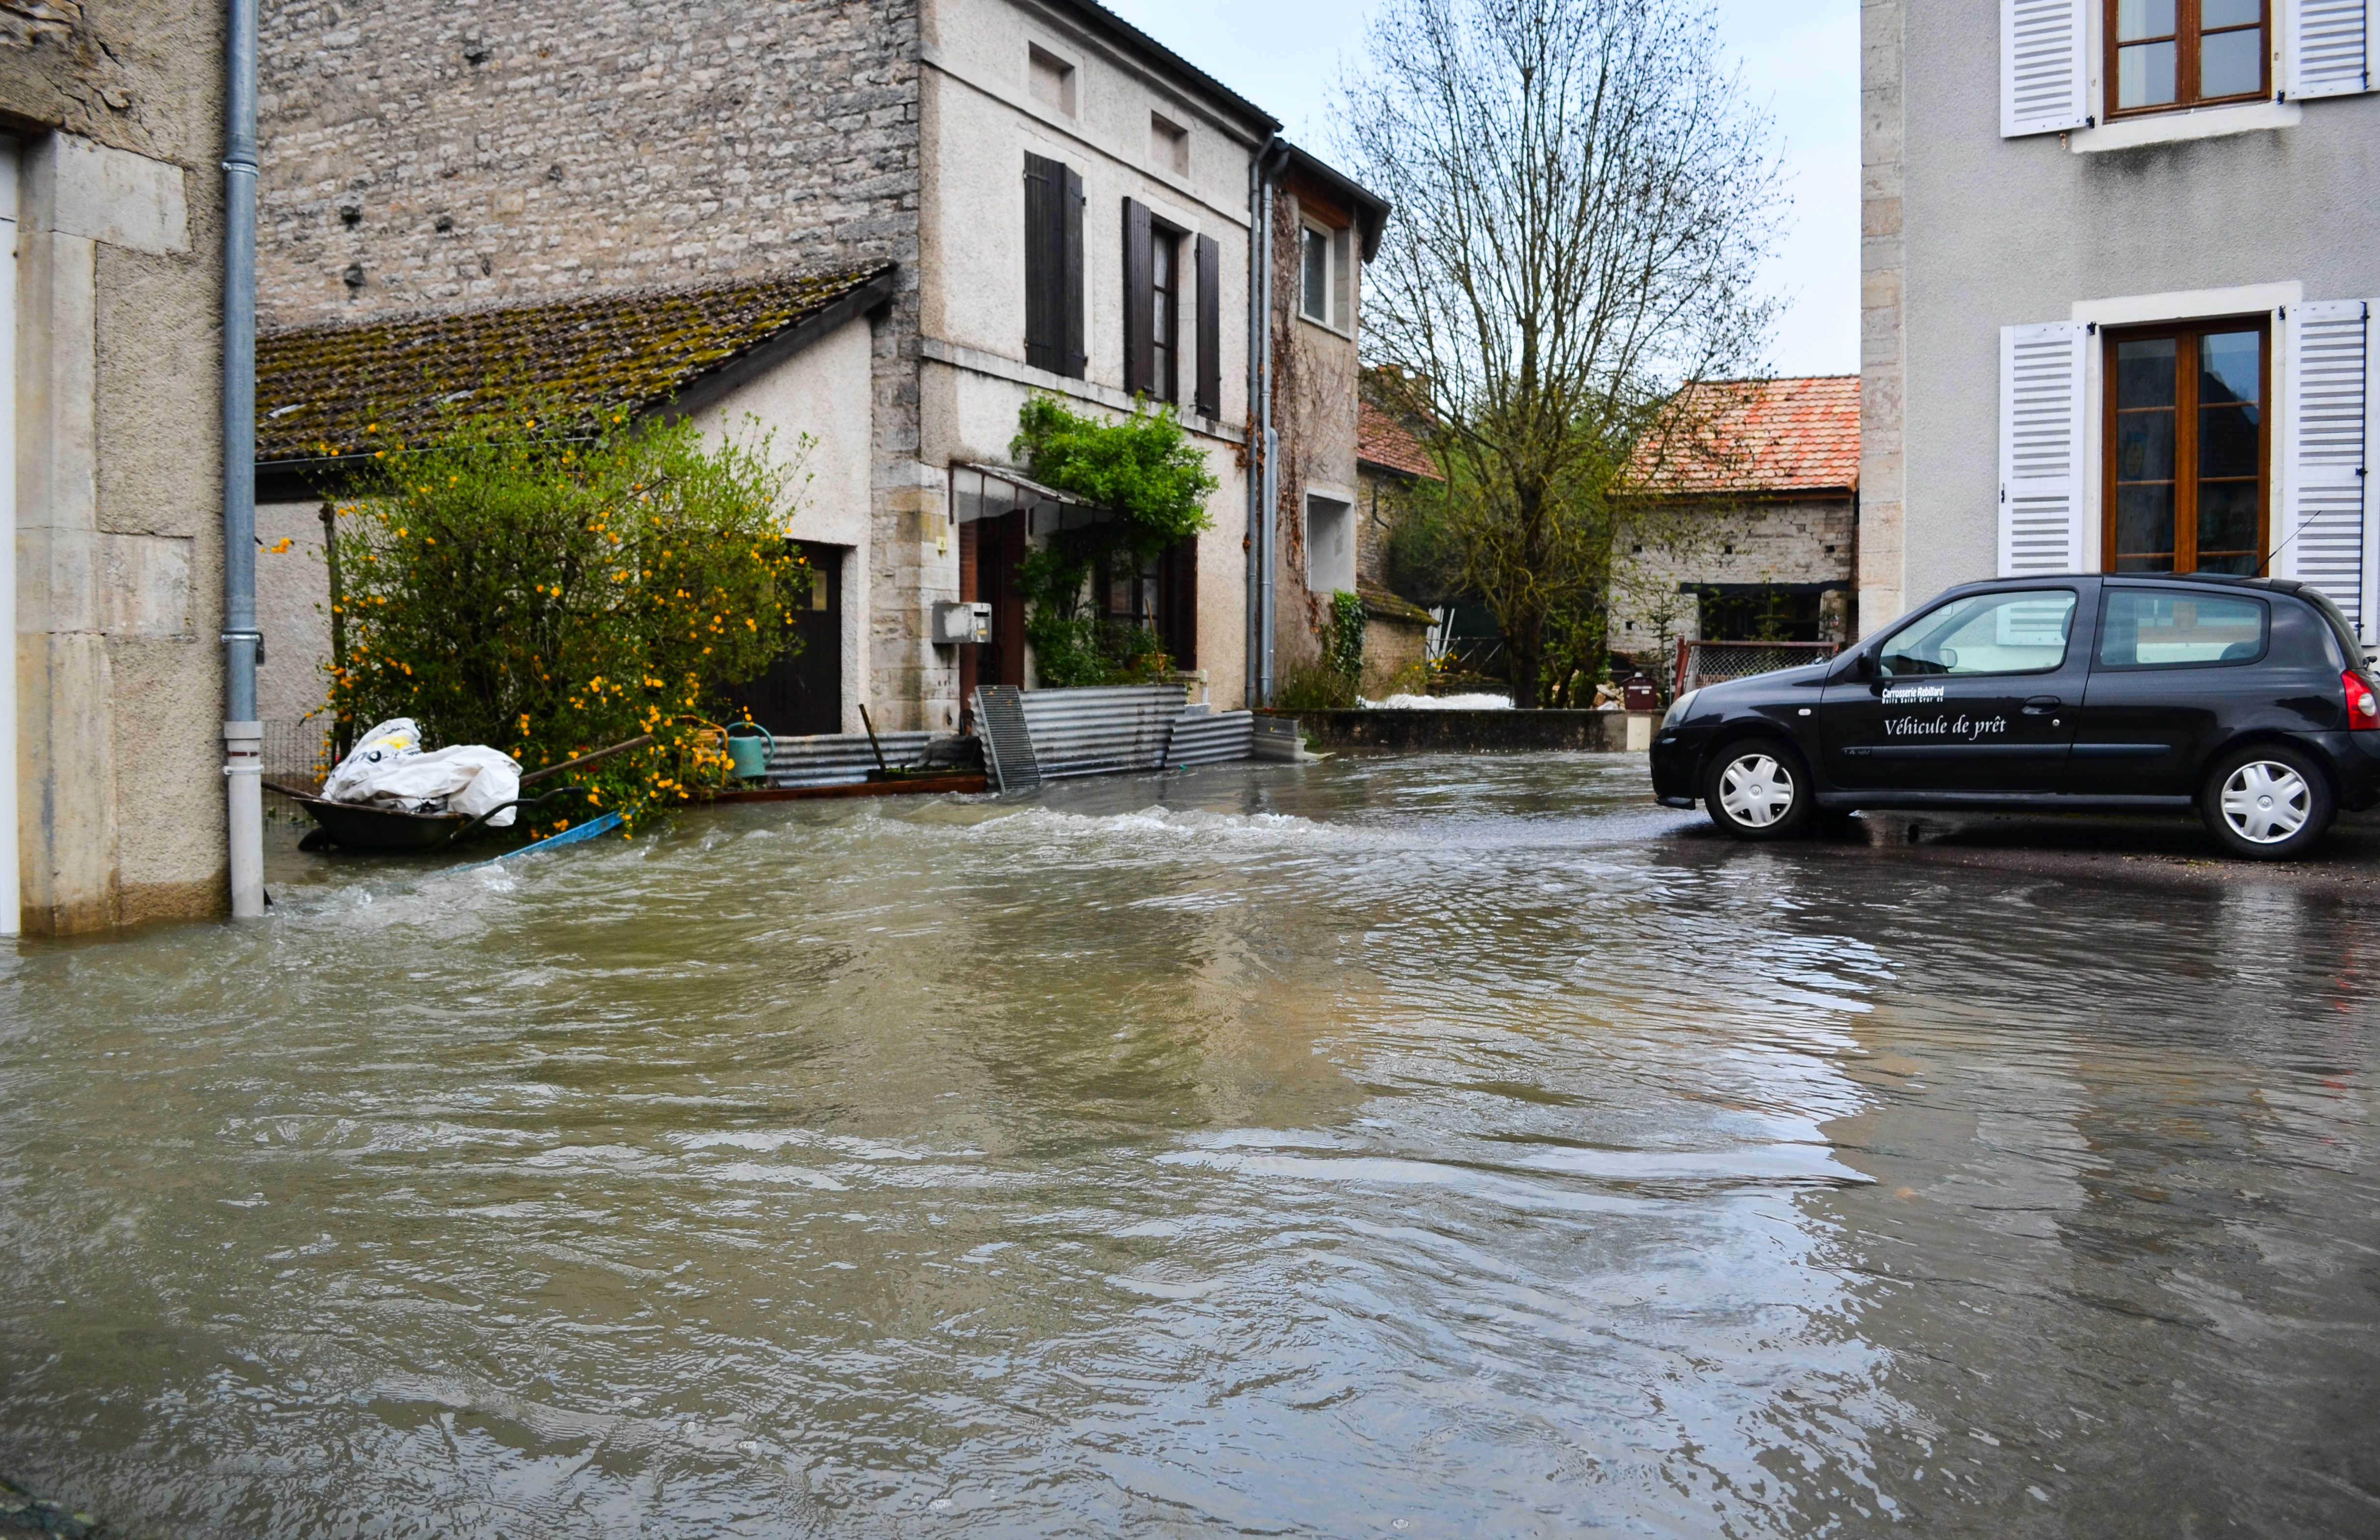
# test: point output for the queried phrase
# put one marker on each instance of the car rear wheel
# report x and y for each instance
(1758, 790)
(2268, 802)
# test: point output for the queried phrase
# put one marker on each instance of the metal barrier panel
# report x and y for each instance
(1279, 739)
(840, 760)
(1008, 755)
(1102, 730)
(1212, 739)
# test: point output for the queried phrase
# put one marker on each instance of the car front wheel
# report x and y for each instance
(2268, 802)
(1758, 790)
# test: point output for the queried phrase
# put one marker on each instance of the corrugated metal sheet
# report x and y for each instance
(1102, 730)
(1007, 743)
(842, 759)
(1211, 739)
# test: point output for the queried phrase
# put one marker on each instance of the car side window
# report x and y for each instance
(2025, 632)
(2167, 628)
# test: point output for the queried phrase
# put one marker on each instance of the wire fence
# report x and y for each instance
(1701, 664)
(299, 751)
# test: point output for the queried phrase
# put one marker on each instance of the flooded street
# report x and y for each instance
(1388, 1146)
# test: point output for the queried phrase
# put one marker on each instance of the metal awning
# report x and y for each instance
(980, 491)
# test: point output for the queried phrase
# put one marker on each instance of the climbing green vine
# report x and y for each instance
(1151, 485)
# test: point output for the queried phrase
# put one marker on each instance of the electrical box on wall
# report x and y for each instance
(957, 625)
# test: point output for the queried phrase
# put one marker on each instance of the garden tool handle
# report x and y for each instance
(531, 803)
(535, 776)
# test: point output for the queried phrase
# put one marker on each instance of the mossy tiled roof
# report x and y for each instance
(318, 388)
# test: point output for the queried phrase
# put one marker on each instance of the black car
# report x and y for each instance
(2247, 698)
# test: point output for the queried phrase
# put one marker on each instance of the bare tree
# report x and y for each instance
(1582, 202)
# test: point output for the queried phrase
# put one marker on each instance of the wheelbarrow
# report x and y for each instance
(360, 827)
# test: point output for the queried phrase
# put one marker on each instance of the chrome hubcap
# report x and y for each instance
(2265, 803)
(1756, 790)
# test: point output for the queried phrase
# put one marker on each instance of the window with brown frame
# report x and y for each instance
(2168, 54)
(2189, 461)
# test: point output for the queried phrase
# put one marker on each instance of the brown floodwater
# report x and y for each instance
(1387, 1147)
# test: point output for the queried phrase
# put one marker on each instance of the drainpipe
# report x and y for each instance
(1264, 499)
(243, 734)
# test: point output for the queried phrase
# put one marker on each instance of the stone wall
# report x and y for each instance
(119, 803)
(419, 155)
(1883, 583)
(1788, 539)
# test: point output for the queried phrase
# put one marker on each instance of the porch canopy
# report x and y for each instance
(980, 491)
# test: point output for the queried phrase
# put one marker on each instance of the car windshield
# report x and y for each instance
(2023, 632)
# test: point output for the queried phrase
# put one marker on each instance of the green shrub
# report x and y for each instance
(1343, 648)
(549, 597)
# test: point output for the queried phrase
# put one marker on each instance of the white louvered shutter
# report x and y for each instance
(2326, 518)
(2328, 43)
(2044, 77)
(2041, 448)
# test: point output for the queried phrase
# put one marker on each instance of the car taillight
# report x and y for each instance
(2363, 709)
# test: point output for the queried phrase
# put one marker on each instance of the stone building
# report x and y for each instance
(2118, 266)
(1752, 531)
(1050, 200)
(112, 290)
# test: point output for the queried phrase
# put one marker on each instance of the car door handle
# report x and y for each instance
(2042, 705)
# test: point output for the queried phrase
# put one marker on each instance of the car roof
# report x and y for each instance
(2211, 579)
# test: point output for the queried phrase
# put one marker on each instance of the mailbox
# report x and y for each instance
(1640, 694)
(960, 625)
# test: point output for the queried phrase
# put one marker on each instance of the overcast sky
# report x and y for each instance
(1799, 61)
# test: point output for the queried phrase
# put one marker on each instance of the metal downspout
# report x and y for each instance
(243, 732)
(1264, 500)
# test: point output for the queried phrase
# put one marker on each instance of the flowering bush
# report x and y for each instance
(552, 596)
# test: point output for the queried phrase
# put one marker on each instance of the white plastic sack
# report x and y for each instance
(468, 779)
(377, 749)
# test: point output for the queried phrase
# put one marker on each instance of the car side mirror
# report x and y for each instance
(1864, 666)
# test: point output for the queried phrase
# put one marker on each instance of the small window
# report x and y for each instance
(1169, 144)
(1315, 300)
(2160, 628)
(2168, 54)
(1330, 544)
(1991, 633)
(1054, 81)
(1165, 317)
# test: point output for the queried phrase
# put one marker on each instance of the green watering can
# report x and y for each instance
(749, 754)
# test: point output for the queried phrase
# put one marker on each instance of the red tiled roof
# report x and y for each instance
(1760, 436)
(1380, 439)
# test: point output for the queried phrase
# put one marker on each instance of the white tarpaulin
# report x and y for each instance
(387, 769)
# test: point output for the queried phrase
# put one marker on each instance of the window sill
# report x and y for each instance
(2130, 133)
(1326, 326)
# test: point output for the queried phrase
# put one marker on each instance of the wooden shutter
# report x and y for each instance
(2041, 448)
(1075, 359)
(1210, 401)
(1139, 302)
(2325, 535)
(2328, 48)
(1045, 263)
(2044, 75)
